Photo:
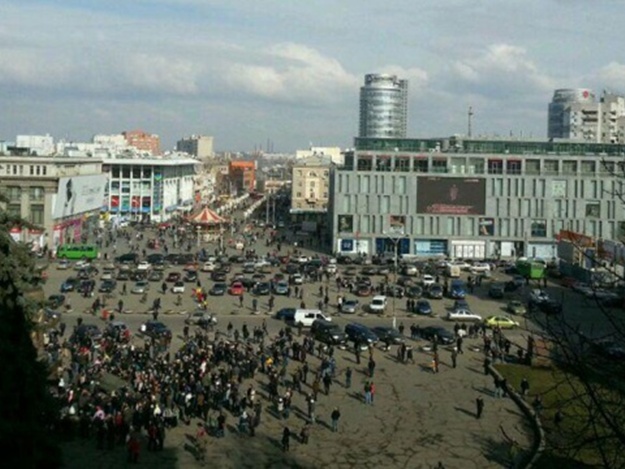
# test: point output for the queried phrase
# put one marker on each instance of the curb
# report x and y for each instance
(538, 445)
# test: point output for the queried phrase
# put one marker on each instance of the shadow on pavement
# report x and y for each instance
(465, 411)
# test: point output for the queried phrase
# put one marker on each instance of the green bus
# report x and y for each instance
(77, 251)
(531, 269)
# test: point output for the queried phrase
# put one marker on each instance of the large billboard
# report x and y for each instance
(79, 194)
(451, 196)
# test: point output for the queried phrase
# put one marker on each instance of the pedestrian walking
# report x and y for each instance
(479, 404)
(525, 386)
(459, 344)
(335, 416)
(367, 390)
(371, 367)
(454, 357)
(348, 377)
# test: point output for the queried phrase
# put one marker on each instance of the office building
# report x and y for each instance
(383, 107)
(35, 145)
(149, 189)
(575, 114)
(474, 198)
(61, 196)
(241, 177)
(199, 146)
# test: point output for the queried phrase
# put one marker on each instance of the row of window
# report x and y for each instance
(472, 165)
(518, 228)
(24, 170)
(34, 193)
(35, 213)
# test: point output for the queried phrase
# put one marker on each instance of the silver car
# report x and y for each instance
(349, 306)
(142, 286)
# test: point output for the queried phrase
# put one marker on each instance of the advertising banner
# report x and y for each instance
(397, 224)
(79, 194)
(346, 223)
(451, 196)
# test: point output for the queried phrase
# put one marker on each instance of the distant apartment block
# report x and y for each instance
(200, 146)
(143, 141)
(35, 145)
(575, 114)
(333, 153)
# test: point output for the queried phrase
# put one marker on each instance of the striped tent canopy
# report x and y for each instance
(206, 216)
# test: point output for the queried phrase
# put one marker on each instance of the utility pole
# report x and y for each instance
(470, 116)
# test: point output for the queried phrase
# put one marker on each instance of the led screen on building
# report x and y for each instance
(451, 196)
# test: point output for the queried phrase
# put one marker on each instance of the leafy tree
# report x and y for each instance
(27, 410)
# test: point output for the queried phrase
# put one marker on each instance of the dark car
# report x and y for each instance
(69, 285)
(285, 314)
(107, 286)
(262, 288)
(388, 335)
(423, 307)
(218, 289)
(219, 276)
(292, 269)
(496, 290)
(118, 331)
(444, 336)
(327, 332)
(156, 330)
(247, 282)
(123, 276)
(86, 332)
(362, 334)
(414, 291)
(344, 260)
(55, 301)
(129, 258)
(547, 306)
(435, 291)
(173, 277)
(190, 276)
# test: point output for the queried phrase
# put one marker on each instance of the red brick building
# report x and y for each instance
(143, 141)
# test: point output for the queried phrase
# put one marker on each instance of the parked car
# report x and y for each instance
(479, 268)
(516, 307)
(156, 276)
(327, 332)
(262, 288)
(496, 291)
(363, 289)
(178, 287)
(140, 287)
(208, 266)
(218, 289)
(200, 318)
(296, 279)
(156, 330)
(219, 276)
(285, 314)
(414, 291)
(502, 322)
(56, 301)
(423, 307)
(378, 304)
(435, 292)
(69, 285)
(107, 286)
(63, 264)
(349, 306)
(443, 335)
(281, 288)
(173, 277)
(388, 334)
(190, 276)
(427, 280)
(362, 334)
(144, 265)
(463, 315)
(236, 289)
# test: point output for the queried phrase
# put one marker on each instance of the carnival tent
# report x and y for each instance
(206, 217)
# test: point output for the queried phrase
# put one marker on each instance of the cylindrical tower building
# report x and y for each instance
(383, 107)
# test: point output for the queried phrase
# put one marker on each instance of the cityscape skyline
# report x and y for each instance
(253, 72)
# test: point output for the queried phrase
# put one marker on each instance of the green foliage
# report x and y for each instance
(27, 411)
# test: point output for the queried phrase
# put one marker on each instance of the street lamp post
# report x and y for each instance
(395, 240)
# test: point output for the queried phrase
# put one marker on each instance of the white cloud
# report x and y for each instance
(611, 76)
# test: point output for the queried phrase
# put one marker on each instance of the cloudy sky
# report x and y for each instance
(246, 71)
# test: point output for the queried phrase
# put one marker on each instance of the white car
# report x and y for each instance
(63, 265)
(330, 268)
(302, 259)
(262, 263)
(538, 296)
(108, 275)
(81, 265)
(208, 266)
(178, 287)
(143, 265)
(463, 315)
(462, 264)
(378, 304)
(479, 268)
(297, 279)
(411, 270)
(427, 280)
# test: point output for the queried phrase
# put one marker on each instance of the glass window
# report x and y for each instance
(36, 193)
(14, 192)
(439, 165)
(14, 210)
(31, 169)
(538, 228)
(532, 167)
(383, 163)
(420, 165)
(44, 170)
(365, 163)
(495, 167)
(36, 214)
(401, 185)
(593, 209)
(513, 167)
(136, 172)
(115, 171)
(126, 172)
(402, 163)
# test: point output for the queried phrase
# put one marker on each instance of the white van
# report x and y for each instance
(307, 316)
(453, 271)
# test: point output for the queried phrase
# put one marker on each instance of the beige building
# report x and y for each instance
(333, 153)
(61, 196)
(311, 185)
(197, 145)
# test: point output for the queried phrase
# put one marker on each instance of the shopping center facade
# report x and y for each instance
(474, 198)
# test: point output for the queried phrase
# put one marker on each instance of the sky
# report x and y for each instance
(289, 71)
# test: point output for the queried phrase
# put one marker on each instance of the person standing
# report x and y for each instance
(368, 393)
(454, 358)
(286, 439)
(525, 387)
(335, 416)
(479, 403)
(371, 367)
(348, 377)
(459, 344)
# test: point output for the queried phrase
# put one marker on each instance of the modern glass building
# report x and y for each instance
(474, 198)
(383, 107)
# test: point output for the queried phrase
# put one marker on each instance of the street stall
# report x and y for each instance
(208, 224)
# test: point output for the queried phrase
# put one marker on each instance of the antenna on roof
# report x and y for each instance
(470, 118)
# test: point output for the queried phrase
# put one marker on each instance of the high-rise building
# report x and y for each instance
(383, 107)
(197, 145)
(575, 114)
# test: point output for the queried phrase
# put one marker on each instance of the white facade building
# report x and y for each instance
(200, 146)
(333, 153)
(38, 145)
